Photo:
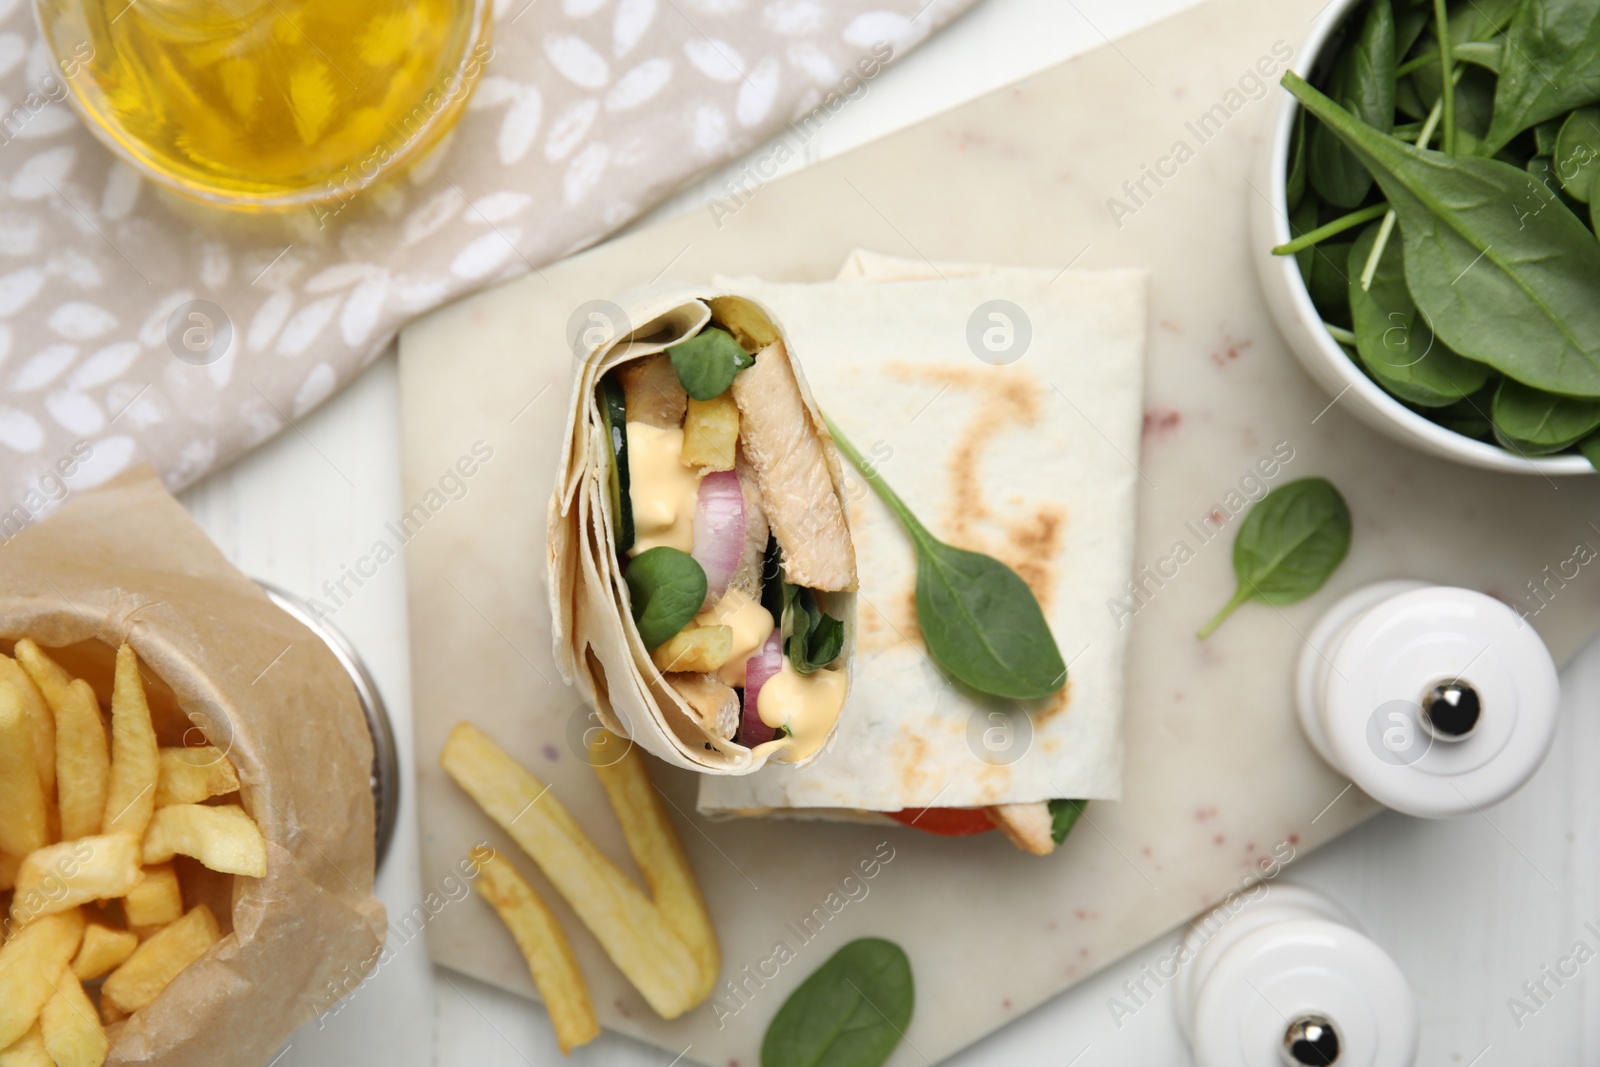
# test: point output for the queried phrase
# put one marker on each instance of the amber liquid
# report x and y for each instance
(268, 103)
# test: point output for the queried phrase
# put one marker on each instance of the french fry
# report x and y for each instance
(191, 775)
(70, 1027)
(27, 1052)
(29, 963)
(103, 950)
(24, 825)
(48, 675)
(156, 901)
(223, 838)
(156, 962)
(550, 960)
(40, 715)
(83, 764)
(659, 854)
(135, 756)
(633, 932)
(8, 871)
(110, 1013)
(701, 649)
(62, 876)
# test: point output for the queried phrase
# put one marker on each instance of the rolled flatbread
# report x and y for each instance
(671, 471)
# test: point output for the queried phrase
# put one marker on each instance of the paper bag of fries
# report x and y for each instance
(186, 819)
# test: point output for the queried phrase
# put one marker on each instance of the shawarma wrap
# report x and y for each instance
(701, 569)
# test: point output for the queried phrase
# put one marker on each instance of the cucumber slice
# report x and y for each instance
(614, 410)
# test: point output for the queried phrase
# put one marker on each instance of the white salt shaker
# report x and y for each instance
(1436, 701)
(1284, 979)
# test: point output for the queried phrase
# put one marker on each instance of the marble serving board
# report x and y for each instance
(1106, 161)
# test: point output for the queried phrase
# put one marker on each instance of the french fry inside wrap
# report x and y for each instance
(221, 666)
(702, 574)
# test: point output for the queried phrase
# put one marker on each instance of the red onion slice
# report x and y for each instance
(719, 531)
(763, 663)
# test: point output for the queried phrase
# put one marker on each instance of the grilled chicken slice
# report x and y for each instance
(716, 705)
(652, 392)
(785, 450)
(747, 578)
(1027, 825)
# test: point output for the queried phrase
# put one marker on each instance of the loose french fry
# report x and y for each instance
(29, 1051)
(103, 950)
(659, 854)
(70, 1027)
(61, 876)
(8, 871)
(156, 962)
(550, 960)
(83, 763)
(701, 649)
(711, 433)
(24, 825)
(40, 715)
(135, 756)
(155, 901)
(628, 926)
(223, 838)
(29, 963)
(191, 775)
(110, 1013)
(48, 675)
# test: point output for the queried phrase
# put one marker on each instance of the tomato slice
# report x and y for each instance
(946, 822)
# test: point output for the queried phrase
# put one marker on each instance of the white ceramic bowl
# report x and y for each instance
(1302, 326)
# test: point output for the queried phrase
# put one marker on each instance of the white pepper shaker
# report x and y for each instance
(1284, 979)
(1436, 701)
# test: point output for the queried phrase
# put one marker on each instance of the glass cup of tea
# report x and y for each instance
(266, 105)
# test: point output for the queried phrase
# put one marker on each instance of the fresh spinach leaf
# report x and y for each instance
(1590, 447)
(1544, 137)
(851, 1012)
(1397, 346)
(1539, 423)
(1063, 814)
(1329, 284)
(980, 620)
(1302, 223)
(1478, 20)
(816, 638)
(666, 588)
(1331, 229)
(1364, 82)
(1289, 545)
(1551, 65)
(1503, 280)
(1577, 155)
(708, 362)
(1295, 186)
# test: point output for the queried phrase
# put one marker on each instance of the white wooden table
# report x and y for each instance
(1471, 910)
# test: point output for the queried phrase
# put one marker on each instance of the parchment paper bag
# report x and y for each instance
(125, 563)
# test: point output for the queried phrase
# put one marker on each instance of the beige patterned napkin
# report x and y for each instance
(589, 112)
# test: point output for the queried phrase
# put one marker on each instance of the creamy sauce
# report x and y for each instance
(751, 624)
(807, 705)
(661, 489)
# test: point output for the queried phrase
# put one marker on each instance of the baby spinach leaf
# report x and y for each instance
(1577, 155)
(1539, 423)
(708, 362)
(1478, 20)
(1590, 447)
(1295, 187)
(666, 588)
(1329, 284)
(1063, 814)
(1504, 279)
(1397, 346)
(1289, 545)
(980, 620)
(817, 638)
(851, 1012)
(1303, 222)
(1364, 82)
(1551, 65)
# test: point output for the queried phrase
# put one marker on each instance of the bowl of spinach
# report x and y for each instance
(1427, 234)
